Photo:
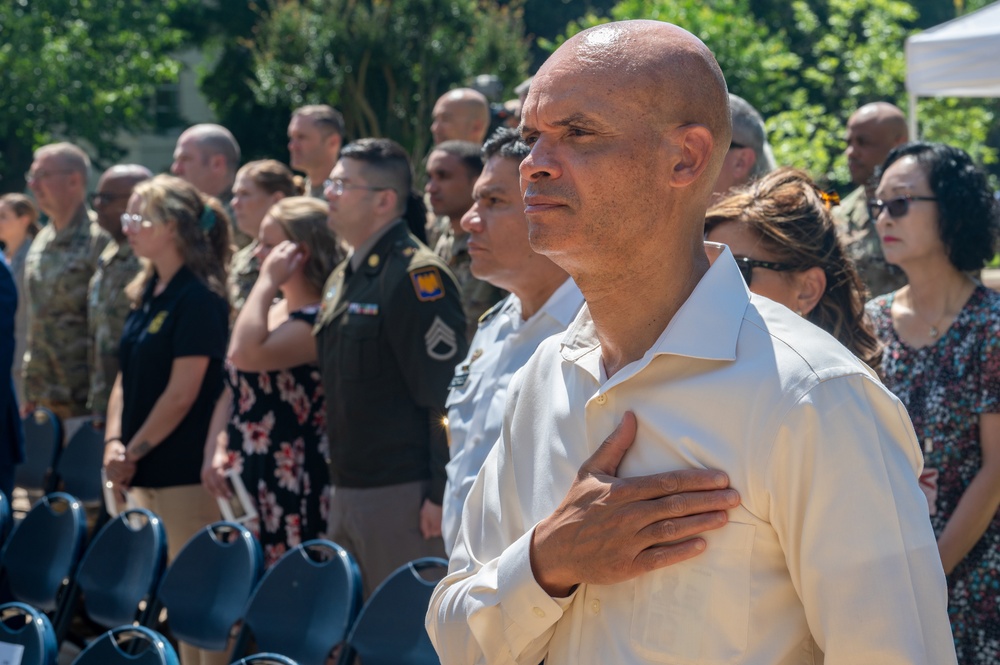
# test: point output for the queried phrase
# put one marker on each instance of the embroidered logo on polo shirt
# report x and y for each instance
(441, 340)
(157, 323)
(427, 283)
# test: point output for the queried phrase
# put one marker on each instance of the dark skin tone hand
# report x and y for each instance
(609, 529)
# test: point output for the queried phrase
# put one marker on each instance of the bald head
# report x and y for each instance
(872, 131)
(113, 191)
(207, 156)
(627, 121)
(462, 114)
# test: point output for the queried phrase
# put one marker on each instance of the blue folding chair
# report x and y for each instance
(42, 444)
(78, 468)
(41, 554)
(206, 587)
(266, 659)
(29, 628)
(120, 569)
(305, 603)
(6, 518)
(390, 629)
(128, 645)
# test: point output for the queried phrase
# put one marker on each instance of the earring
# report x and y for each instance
(799, 312)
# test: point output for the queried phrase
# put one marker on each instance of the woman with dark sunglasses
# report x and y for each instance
(937, 220)
(782, 235)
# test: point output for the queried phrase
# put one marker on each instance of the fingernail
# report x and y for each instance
(721, 480)
(732, 497)
(699, 545)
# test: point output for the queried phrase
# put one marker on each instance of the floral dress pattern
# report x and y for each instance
(945, 386)
(277, 442)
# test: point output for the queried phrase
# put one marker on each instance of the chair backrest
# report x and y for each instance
(390, 629)
(305, 603)
(42, 443)
(79, 464)
(205, 589)
(23, 625)
(128, 645)
(120, 568)
(266, 659)
(42, 552)
(6, 518)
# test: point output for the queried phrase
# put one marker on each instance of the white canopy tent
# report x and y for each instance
(960, 58)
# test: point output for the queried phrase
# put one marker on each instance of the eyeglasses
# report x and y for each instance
(746, 266)
(337, 187)
(99, 199)
(30, 177)
(898, 207)
(134, 223)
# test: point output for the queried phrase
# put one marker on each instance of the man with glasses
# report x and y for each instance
(58, 268)
(107, 304)
(389, 333)
(597, 531)
(749, 155)
(872, 131)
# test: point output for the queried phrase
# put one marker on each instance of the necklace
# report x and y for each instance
(935, 330)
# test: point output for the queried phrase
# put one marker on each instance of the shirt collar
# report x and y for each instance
(706, 326)
(364, 249)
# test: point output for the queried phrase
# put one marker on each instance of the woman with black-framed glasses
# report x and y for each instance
(782, 235)
(937, 220)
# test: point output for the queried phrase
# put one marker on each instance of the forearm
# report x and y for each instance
(250, 330)
(113, 421)
(217, 440)
(167, 413)
(973, 514)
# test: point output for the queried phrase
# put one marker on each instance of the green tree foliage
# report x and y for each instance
(808, 65)
(383, 63)
(84, 70)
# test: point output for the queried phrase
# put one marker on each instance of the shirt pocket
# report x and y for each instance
(359, 351)
(697, 611)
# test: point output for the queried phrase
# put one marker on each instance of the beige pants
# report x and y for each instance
(184, 510)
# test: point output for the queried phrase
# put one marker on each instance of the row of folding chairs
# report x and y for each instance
(24, 628)
(48, 465)
(306, 604)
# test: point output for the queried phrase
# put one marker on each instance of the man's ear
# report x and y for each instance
(217, 163)
(691, 148)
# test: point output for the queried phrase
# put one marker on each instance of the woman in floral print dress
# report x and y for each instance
(273, 405)
(937, 220)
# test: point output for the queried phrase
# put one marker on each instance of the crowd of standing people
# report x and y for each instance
(372, 363)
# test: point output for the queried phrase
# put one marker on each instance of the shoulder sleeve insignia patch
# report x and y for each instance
(428, 284)
(442, 343)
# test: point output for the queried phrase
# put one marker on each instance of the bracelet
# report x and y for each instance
(113, 439)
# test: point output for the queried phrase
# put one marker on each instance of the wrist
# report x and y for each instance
(113, 439)
(547, 575)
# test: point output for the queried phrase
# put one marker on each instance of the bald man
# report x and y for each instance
(596, 531)
(462, 114)
(872, 131)
(107, 304)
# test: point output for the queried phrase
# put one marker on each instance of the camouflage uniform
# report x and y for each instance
(315, 191)
(857, 232)
(477, 295)
(107, 309)
(243, 270)
(57, 276)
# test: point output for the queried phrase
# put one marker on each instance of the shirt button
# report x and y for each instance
(539, 612)
(601, 399)
(595, 606)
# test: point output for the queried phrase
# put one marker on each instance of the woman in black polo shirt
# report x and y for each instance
(171, 354)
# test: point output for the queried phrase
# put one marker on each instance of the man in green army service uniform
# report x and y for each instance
(389, 334)
(57, 272)
(872, 132)
(107, 304)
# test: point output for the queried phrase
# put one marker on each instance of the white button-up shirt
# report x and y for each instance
(830, 558)
(502, 345)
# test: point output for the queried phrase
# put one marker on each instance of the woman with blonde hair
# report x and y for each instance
(257, 187)
(782, 235)
(18, 227)
(270, 421)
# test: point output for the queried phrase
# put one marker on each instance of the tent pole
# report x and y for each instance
(914, 135)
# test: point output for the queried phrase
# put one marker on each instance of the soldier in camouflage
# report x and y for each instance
(452, 170)
(107, 304)
(872, 132)
(58, 268)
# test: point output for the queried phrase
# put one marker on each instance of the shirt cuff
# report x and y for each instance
(528, 609)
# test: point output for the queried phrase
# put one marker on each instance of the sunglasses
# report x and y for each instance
(895, 207)
(747, 265)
